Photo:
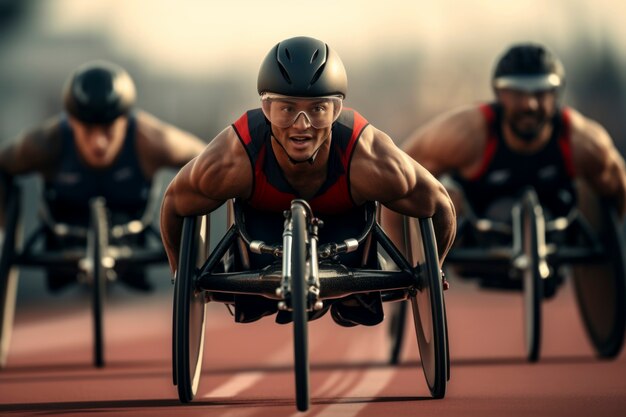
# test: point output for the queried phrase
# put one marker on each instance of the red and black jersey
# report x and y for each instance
(505, 173)
(73, 183)
(272, 192)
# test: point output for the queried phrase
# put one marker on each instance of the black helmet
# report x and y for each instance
(99, 92)
(529, 67)
(302, 67)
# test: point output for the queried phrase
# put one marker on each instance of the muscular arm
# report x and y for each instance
(35, 151)
(162, 145)
(598, 161)
(222, 171)
(453, 141)
(382, 172)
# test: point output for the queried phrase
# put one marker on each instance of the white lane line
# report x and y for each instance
(369, 382)
(235, 385)
(372, 383)
(123, 323)
(331, 383)
(244, 380)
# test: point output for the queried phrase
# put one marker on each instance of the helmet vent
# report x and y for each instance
(317, 75)
(284, 73)
(288, 55)
(315, 54)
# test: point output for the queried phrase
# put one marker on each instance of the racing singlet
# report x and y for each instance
(271, 191)
(505, 173)
(123, 184)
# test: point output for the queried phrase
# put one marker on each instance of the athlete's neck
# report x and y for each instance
(305, 177)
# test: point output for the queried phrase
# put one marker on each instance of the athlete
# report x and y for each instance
(100, 146)
(525, 138)
(302, 143)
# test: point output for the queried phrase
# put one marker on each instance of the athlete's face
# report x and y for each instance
(301, 139)
(97, 144)
(527, 113)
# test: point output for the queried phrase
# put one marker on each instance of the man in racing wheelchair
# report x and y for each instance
(526, 150)
(303, 144)
(524, 139)
(100, 146)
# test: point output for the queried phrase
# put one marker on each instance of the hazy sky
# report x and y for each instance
(210, 37)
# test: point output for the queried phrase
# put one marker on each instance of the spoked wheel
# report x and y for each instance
(600, 287)
(190, 308)
(8, 275)
(396, 330)
(97, 243)
(299, 292)
(428, 305)
(532, 233)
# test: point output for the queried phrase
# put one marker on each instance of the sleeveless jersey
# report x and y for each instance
(123, 184)
(272, 192)
(505, 173)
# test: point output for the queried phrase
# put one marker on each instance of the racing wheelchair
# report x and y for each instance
(301, 275)
(534, 253)
(97, 252)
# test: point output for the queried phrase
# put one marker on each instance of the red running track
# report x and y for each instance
(248, 368)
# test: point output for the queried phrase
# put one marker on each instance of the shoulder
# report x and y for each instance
(454, 140)
(381, 171)
(223, 168)
(45, 137)
(36, 149)
(592, 145)
(164, 143)
(226, 141)
(585, 129)
(374, 144)
(153, 130)
(587, 135)
(456, 125)
(377, 160)
(48, 130)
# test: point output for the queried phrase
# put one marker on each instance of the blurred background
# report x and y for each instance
(195, 62)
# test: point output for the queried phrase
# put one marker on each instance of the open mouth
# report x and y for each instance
(299, 140)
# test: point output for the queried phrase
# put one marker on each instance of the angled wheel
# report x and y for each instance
(600, 287)
(8, 274)
(445, 317)
(97, 243)
(428, 305)
(174, 351)
(190, 308)
(397, 324)
(532, 234)
(299, 290)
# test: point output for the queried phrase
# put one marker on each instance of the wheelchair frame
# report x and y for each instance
(533, 260)
(301, 283)
(95, 261)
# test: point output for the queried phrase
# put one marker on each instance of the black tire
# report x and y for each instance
(397, 323)
(97, 247)
(600, 287)
(445, 317)
(8, 273)
(299, 290)
(532, 285)
(190, 309)
(174, 351)
(428, 305)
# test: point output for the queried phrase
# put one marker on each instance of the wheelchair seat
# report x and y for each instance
(268, 227)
